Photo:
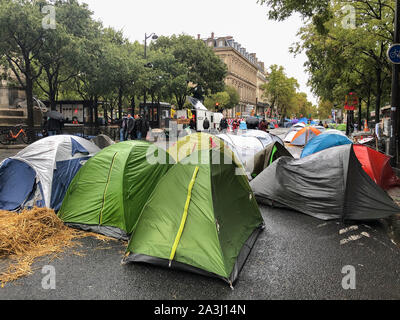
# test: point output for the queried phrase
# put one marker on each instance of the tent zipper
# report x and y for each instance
(184, 217)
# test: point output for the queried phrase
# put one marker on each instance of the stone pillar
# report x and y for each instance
(4, 103)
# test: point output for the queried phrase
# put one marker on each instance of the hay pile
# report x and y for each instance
(31, 234)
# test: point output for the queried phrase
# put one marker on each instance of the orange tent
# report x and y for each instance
(377, 166)
(304, 136)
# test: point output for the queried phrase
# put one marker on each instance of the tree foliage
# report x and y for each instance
(79, 58)
(344, 55)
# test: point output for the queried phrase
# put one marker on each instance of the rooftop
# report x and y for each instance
(229, 41)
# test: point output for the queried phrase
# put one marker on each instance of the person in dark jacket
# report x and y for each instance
(145, 128)
(139, 127)
(122, 128)
(263, 126)
(206, 124)
(54, 126)
(130, 127)
(45, 132)
(223, 126)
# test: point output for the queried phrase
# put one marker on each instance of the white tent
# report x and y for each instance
(197, 105)
(334, 131)
(40, 174)
(245, 148)
(264, 137)
(293, 130)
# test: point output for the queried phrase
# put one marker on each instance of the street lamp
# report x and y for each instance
(153, 36)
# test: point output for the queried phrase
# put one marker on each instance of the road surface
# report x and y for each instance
(296, 257)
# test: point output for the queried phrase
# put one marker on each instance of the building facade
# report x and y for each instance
(262, 102)
(243, 72)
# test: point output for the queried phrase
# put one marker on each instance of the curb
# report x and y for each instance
(13, 147)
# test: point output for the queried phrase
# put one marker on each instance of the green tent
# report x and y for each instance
(202, 216)
(109, 192)
(266, 157)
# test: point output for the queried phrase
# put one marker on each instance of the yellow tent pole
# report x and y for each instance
(184, 217)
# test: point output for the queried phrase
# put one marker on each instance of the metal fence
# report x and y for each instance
(76, 130)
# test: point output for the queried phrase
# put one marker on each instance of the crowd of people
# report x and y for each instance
(239, 124)
(133, 127)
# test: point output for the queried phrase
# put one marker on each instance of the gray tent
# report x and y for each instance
(102, 141)
(266, 157)
(330, 184)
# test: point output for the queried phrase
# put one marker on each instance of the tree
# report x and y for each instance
(234, 97)
(21, 40)
(343, 59)
(195, 66)
(226, 99)
(220, 98)
(58, 54)
(283, 9)
(302, 107)
(280, 90)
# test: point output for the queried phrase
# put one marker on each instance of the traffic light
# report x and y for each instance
(217, 106)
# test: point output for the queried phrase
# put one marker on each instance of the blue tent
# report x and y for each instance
(304, 120)
(324, 141)
(40, 174)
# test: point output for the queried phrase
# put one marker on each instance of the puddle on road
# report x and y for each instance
(394, 229)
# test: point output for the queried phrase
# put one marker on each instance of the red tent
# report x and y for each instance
(377, 166)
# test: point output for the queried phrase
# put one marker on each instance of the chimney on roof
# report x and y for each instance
(198, 36)
(212, 35)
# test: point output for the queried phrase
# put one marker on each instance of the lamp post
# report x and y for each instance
(153, 36)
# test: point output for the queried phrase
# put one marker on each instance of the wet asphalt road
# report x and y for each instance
(296, 257)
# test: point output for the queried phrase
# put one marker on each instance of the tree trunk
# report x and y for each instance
(105, 115)
(91, 112)
(378, 94)
(112, 114)
(29, 98)
(120, 102)
(96, 112)
(359, 114)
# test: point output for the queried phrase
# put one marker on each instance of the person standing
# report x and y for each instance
(138, 127)
(122, 128)
(223, 126)
(263, 126)
(130, 127)
(54, 126)
(235, 125)
(145, 128)
(206, 124)
(192, 124)
(45, 132)
(243, 126)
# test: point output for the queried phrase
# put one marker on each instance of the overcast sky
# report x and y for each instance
(245, 20)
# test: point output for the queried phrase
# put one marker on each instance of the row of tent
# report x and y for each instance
(192, 207)
(176, 211)
(343, 182)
